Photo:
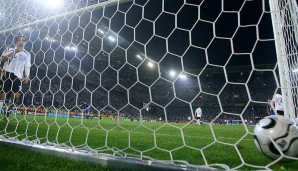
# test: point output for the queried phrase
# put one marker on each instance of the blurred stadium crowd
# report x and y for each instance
(172, 101)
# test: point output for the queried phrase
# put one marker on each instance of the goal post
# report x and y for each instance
(118, 82)
(284, 20)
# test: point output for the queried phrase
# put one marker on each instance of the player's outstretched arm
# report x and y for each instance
(8, 55)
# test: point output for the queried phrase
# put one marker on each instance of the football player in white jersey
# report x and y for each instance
(198, 113)
(278, 104)
(16, 70)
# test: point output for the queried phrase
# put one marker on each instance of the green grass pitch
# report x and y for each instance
(194, 144)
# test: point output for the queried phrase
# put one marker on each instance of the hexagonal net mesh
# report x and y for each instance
(124, 78)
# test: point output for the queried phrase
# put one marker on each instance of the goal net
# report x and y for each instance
(123, 78)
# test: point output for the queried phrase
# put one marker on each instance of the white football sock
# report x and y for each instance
(1, 106)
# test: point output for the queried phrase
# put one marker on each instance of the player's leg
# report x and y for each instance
(198, 121)
(14, 95)
(89, 116)
(2, 96)
(7, 85)
(2, 93)
(85, 114)
(13, 98)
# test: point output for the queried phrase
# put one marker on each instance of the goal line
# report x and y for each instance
(105, 160)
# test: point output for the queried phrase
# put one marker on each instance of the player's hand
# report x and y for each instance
(19, 47)
(17, 50)
(4, 58)
(25, 80)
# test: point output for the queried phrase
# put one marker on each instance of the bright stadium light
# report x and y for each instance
(172, 73)
(100, 31)
(74, 48)
(27, 29)
(2, 14)
(111, 38)
(53, 4)
(71, 48)
(182, 76)
(150, 64)
(139, 57)
(50, 39)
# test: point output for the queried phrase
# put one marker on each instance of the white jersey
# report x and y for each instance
(189, 118)
(278, 103)
(17, 63)
(199, 112)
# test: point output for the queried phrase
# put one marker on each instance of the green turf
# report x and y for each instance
(195, 144)
(20, 159)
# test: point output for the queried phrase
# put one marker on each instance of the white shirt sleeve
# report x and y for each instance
(28, 62)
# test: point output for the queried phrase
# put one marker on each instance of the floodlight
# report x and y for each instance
(172, 73)
(150, 64)
(53, 4)
(74, 48)
(100, 31)
(111, 38)
(183, 76)
(50, 39)
(139, 57)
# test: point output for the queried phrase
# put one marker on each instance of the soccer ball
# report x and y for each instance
(281, 130)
